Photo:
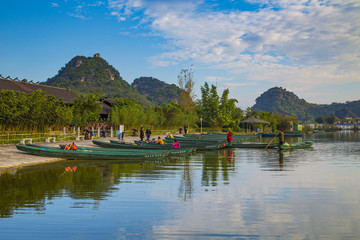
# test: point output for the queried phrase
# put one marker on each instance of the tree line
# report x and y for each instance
(39, 111)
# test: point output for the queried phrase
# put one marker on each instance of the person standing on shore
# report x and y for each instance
(185, 128)
(148, 133)
(142, 134)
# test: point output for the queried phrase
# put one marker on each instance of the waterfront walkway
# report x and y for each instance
(10, 157)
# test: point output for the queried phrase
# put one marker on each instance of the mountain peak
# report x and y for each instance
(94, 74)
(279, 100)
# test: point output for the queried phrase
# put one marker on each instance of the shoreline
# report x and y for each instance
(11, 158)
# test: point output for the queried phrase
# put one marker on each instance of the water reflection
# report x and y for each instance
(31, 187)
(230, 193)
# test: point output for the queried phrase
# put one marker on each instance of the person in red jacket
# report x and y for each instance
(229, 137)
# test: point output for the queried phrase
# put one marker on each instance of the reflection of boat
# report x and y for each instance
(318, 131)
(298, 145)
(254, 145)
(90, 154)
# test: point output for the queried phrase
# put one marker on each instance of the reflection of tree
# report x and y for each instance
(186, 186)
(31, 187)
(215, 162)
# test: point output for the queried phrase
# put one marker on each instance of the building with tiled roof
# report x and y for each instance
(24, 86)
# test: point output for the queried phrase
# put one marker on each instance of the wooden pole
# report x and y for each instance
(270, 142)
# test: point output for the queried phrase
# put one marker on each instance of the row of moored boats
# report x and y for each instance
(114, 149)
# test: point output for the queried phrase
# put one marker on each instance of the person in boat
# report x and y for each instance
(142, 134)
(176, 144)
(229, 136)
(148, 133)
(73, 146)
(67, 147)
(281, 137)
(70, 146)
(160, 141)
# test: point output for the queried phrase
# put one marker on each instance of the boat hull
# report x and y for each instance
(89, 154)
(254, 145)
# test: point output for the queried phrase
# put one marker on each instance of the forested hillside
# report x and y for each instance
(93, 74)
(279, 100)
(157, 91)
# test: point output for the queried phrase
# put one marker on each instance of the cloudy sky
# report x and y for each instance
(310, 47)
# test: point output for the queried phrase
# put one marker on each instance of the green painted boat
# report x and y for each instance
(126, 145)
(199, 147)
(286, 134)
(213, 137)
(195, 142)
(254, 145)
(299, 145)
(90, 154)
(172, 151)
(198, 140)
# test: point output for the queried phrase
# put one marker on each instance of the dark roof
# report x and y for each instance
(253, 120)
(66, 95)
(106, 109)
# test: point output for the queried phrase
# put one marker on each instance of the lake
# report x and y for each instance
(223, 194)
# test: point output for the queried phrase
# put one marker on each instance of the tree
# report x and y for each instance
(330, 119)
(227, 108)
(186, 83)
(86, 109)
(320, 120)
(13, 109)
(216, 112)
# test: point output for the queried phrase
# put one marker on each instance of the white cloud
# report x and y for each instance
(215, 79)
(54, 4)
(124, 8)
(298, 43)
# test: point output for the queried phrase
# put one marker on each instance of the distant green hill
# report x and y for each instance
(279, 100)
(94, 74)
(157, 91)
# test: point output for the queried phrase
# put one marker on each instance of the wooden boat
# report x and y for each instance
(172, 151)
(298, 145)
(212, 137)
(254, 145)
(127, 145)
(196, 143)
(286, 134)
(90, 154)
(198, 146)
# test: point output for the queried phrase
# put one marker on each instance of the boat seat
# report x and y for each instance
(50, 139)
(80, 138)
(24, 140)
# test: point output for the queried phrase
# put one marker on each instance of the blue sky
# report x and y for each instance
(310, 47)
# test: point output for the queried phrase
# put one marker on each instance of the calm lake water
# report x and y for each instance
(227, 194)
